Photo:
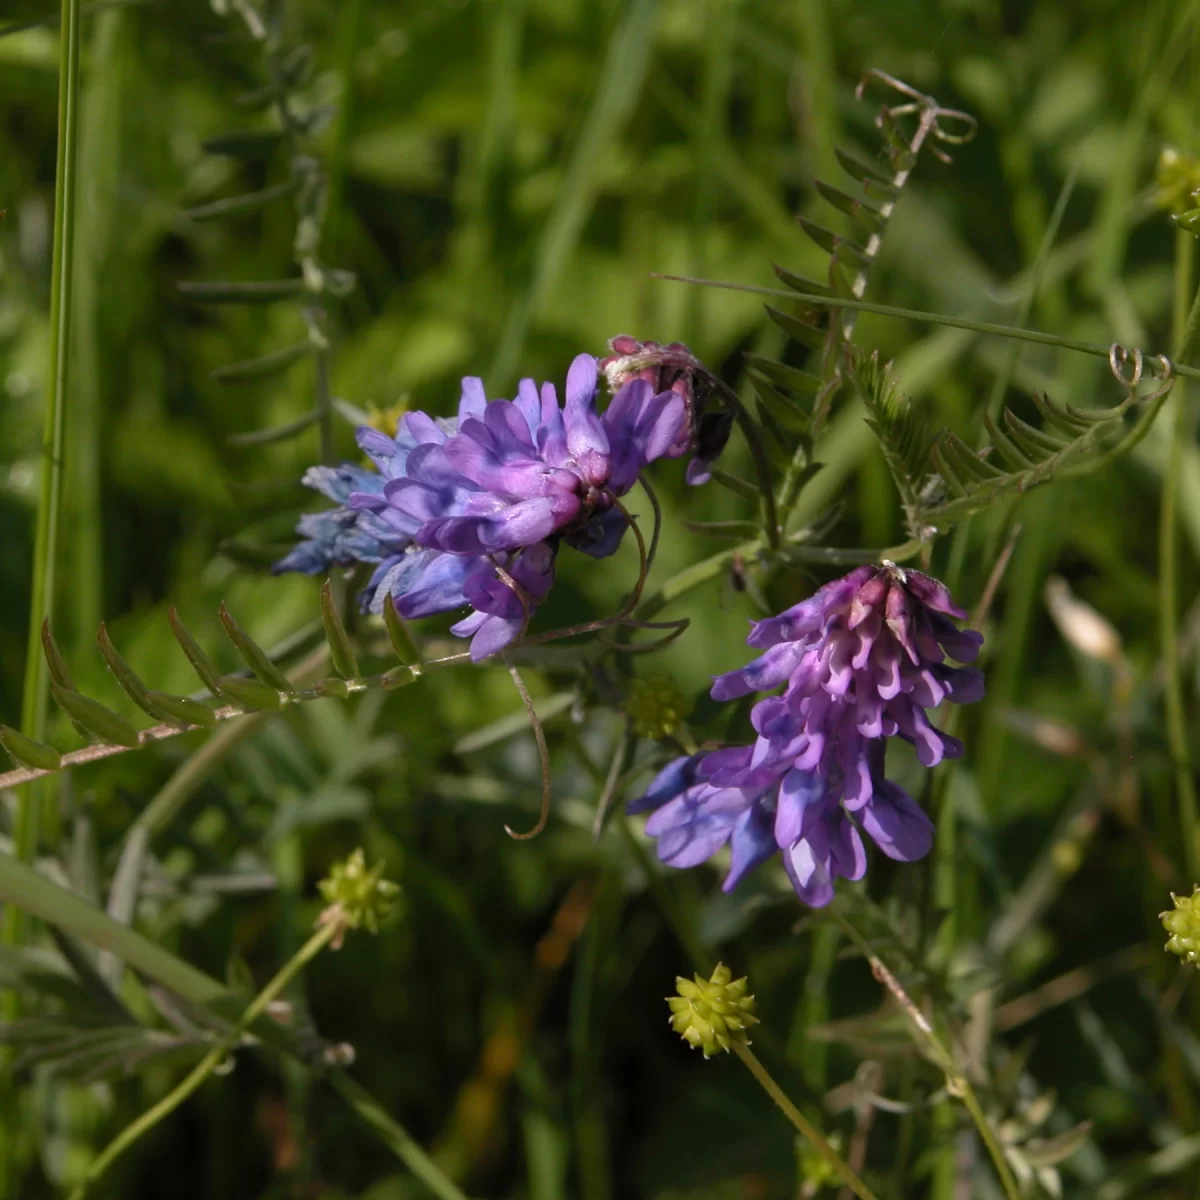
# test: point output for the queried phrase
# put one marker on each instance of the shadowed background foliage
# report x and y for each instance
(504, 177)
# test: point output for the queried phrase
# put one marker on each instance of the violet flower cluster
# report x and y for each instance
(859, 662)
(471, 511)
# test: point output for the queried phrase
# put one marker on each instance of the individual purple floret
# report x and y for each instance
(859, 662)
(521, 471)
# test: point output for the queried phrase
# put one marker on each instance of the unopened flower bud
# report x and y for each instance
(357, 897)
(712, 1014)
(1183, 924)
(655, 707)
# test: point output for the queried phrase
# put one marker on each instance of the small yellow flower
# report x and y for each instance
(712, 1014)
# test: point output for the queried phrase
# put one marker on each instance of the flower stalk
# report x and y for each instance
(925, 1036)
(803, 1126)
(358, 898)
(216, 1055)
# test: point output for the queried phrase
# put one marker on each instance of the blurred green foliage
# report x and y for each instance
(505, 175)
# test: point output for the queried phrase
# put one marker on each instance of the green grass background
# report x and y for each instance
(505, 177)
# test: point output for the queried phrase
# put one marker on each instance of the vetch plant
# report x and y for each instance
(511, 516)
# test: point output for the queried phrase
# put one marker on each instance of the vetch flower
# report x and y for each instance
(858, 662)
(470, 511)
(363, 528)
(861, 659)
(522, 471)
(336, 537)
(712, 1014)
(674, 368)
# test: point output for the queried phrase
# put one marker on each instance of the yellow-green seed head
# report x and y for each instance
(1183, 924)
(656, 707)
(358, 898)
(712, 1014)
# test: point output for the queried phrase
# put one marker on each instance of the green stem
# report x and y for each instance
(21, 885)
(798, 1119)
(1168, 559)
(45, 553)
(923, 1033)
(913, 314)
(219, 1051)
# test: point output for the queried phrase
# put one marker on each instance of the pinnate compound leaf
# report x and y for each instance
(254, 656)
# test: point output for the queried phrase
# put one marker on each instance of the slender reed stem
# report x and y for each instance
(957, 1084)
(45, 552)
(798, 1119)
(1168, 562)
(205, 1067)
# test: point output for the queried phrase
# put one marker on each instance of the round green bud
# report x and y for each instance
(712, 1014)
(1183, 924)
(655, 707)
(357, 898)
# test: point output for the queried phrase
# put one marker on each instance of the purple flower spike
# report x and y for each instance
(858, 662)
(456, 505)
(861, 659)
